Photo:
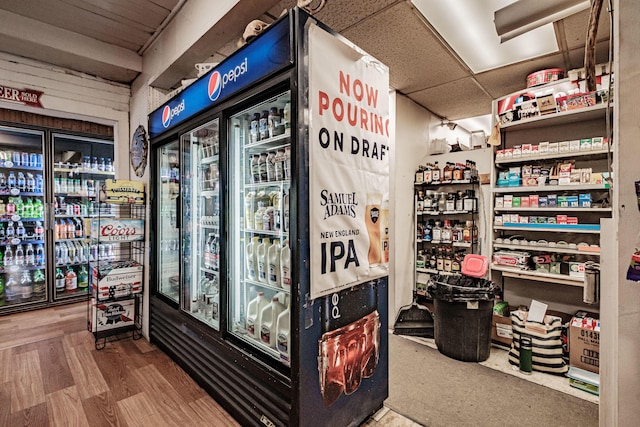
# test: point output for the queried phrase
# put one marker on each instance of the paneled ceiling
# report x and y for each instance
(107, 38)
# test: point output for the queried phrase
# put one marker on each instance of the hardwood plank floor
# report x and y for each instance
(51, 375)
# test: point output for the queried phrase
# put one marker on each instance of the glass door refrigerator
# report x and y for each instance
(23, 275)
(80, 167)
(271, 229)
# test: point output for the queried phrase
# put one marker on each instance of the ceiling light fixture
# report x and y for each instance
(525, 15)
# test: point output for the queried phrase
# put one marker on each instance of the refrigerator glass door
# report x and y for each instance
(22, 236)
(260, 280)
(201, 219)
(80, 167)
(168, 232)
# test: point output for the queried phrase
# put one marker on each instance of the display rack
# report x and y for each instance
(117, 265)
(551, 216)
(433, 253)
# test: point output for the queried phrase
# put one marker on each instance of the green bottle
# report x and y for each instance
(83, 277)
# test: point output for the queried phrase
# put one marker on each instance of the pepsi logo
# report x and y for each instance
(215, 86)
(169, 113)
(166, 116)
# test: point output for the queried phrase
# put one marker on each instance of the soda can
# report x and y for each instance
(33, 160)
(39, 160)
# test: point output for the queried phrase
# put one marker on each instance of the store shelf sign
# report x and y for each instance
(28, 97)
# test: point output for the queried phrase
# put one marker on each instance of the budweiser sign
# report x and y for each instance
(118, 230)
(21, 96)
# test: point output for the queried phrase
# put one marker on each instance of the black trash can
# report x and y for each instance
(463, 310)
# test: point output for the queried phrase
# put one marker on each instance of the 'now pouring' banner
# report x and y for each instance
(349, 149)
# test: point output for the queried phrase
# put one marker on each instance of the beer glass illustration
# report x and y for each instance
(372, 222)
(384, 229)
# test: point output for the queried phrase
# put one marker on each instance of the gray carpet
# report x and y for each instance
(435, 390)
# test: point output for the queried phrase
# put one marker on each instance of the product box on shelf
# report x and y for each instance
(584, 343)
(576, 269)
(501, 329)
(585, 144)
(116, 279)
(112, 315)
(117, 230)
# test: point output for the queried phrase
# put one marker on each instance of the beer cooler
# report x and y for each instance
(270, 209)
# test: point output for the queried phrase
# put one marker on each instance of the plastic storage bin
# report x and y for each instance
(463, 311)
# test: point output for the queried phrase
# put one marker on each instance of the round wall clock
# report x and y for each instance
(139, 151)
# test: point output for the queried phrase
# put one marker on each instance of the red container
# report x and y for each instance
(544, 76)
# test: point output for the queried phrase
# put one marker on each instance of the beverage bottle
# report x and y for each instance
(26, 284)
(70, 280)
(250, 257)
(86, 163)
(83, 277)
(3, 181)
(258, 217)
(39, 188)
(11, 207)
(261, 257)
(285, 266)
(31, 183)
(269, 320)
(64, 254)
(19, 256)
(102, 252)
(93, 256)
(39, 284)
(27, 209)
(263, 125)
(273, 258)
(2, 231)
(60, 283)
(19, 206)
(111, 252)
(71, 229)
(271, 166)
(8, 256)
(20, 231)
(254, 310)
(282, 334)
(71, 252)
(22, 182)
(94, 164)
(101, 165)
(3, 208)
(215, 253)
(108, 165)
(11, 181)
(254, 125)
(39, 256)
(29, 256)
(207, 252)
(11, 231)
(435, 174)
(1, 260)
(79, 232)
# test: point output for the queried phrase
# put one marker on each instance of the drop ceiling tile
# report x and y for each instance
(576, 56)
(575, 28)
(505, 80)
(415, 57)
(455, 100)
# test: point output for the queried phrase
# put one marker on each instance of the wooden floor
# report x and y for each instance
(51, 375)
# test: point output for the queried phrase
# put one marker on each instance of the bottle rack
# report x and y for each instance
(446, 226)
(117, 271)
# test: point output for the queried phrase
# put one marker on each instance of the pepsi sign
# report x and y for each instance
(268, 53)
(169, 113)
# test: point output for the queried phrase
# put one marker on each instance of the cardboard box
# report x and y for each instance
(584, 200)
(112, 315)
(116, 279)
(543, 147)
(576, 269)
(574, 145)
(501, 329)
(584, 343)
(499, 202)
(533, 200)
(585, 144)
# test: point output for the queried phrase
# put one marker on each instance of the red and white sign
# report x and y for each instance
(117, 230)
(349, 152)
(21, 96)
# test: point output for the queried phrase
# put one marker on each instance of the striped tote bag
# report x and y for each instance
(546, 342)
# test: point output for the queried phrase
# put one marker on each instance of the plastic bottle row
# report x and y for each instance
(18, 230)
(432, 201)
(70, 228)
(29, 208)
(207, 301)
(81, 207)
(450, 232)
(211, 254)
(267, 211)
(68, 280)
(76, 185)
(82, 252)
(95, 164)
(268, 262)
(22, 286)
(10, 159)
(22, 182)
(268, 320)
(269, 123)
(23, 255)
(269, 166)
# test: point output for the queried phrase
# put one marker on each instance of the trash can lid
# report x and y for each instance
(475, 265)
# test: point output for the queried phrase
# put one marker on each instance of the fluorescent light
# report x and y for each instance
(467, 26)
(525, 15)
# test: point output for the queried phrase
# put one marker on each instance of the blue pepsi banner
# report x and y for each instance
(266, 54)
